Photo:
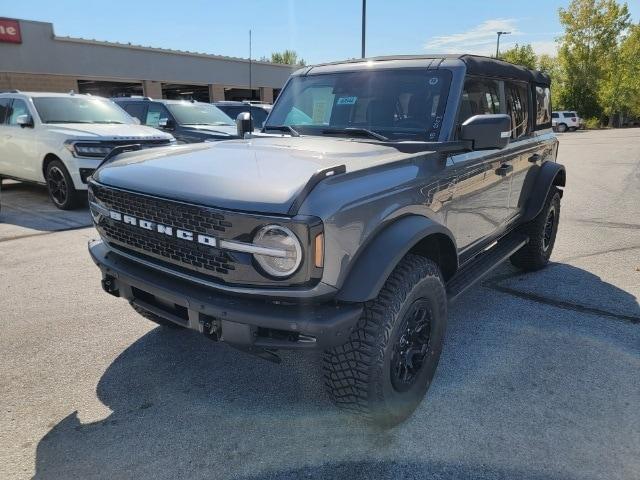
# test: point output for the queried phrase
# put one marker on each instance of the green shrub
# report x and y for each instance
(591, 123)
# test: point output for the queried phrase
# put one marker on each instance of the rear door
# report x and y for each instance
(480, 203)
(529, 109)
(5, 134)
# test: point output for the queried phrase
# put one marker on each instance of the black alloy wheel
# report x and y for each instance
(412, 346)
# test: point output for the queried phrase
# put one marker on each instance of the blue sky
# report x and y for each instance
(318, 30)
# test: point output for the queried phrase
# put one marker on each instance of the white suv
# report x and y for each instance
(59, 139)
(563, 121)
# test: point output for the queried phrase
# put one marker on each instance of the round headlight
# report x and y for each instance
(282, 253)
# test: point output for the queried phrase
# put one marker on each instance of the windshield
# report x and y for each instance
(399, 104)
(79, 110)
(198, 114)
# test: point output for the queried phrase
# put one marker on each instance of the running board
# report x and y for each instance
(481, 265)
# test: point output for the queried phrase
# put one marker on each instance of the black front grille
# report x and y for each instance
(191, 257)
(195, 219)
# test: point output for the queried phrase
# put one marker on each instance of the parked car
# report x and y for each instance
(259, 111)
(563, 121)
(58, 139)
(395, 185)
(188, 121)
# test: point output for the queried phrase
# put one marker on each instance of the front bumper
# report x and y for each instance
(240, 321)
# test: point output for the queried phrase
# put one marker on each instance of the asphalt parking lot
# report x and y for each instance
(539, 379)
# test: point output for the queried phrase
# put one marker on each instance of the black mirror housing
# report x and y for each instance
(487, 132)
(167, 124)
(25, 121)
(244, 124)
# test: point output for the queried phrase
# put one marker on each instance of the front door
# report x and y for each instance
(20, 145)
(480, 203)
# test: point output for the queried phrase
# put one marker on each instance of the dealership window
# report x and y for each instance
(479, 97)
(18, 107)
(156, 113)
(518, 109)
(543, 107)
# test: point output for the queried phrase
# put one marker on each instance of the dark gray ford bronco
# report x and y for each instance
(379, 190)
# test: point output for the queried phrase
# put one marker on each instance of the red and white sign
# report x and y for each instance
(10, 31)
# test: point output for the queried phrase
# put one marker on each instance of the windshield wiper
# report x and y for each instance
(283, 128)
(66, 121)
(114, 122)
(356, 131)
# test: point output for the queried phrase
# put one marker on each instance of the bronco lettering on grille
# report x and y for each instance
(164, 229)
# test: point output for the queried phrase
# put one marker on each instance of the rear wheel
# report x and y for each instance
(542, 232)
(385, 368)
(562, 127)
(60, 186)
(154, 318)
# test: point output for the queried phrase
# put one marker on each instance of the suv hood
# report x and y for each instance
(102, 131)
(259, 175)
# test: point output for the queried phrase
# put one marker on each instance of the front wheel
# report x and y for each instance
(60, 187)
(385, 368)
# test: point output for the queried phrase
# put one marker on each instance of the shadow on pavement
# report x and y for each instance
(28, 208)
(184, 407)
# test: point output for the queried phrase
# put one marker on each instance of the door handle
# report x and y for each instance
(534, 158)
(504, 170)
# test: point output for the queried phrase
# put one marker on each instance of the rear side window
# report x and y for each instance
(517, 108)
(4, 109)
(136, 110)
(479, 97)
(555, 115)
(543, 107)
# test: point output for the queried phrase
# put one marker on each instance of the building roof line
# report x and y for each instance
(168, 50)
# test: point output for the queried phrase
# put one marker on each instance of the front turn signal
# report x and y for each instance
(319, 250)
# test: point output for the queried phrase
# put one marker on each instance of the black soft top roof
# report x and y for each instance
(475, 65)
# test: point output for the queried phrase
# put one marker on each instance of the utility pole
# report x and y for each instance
(364, 25)
(498, 43)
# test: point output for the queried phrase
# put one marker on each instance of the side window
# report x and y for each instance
(136, 110)
(4, 109)
(517, 108)
(543, 107)
(555, 115)
(155, 113)
(259, 116)
(480, 96)
(18, 107)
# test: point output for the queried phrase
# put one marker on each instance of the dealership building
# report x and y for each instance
(33, 58)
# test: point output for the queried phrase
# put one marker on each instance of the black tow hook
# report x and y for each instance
(109, 285)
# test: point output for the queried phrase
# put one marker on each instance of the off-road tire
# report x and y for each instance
(535, 254)
(163, 322)
(358, 373)
(56, 174)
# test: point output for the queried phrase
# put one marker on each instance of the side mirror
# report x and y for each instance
(486, 132)
(244, 124)
(167, 124)
(24, 121)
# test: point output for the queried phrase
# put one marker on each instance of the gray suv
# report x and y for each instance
(379, 191)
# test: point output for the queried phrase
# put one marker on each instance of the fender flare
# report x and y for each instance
(551, 173)
(380, 256)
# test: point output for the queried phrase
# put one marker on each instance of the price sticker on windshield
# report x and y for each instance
(347, 101)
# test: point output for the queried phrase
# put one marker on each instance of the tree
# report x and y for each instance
(520, 55)
(551, 66)
(589, 52)
(288, 57)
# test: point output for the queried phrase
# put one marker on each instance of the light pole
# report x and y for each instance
(364, 24)
(498, 43)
